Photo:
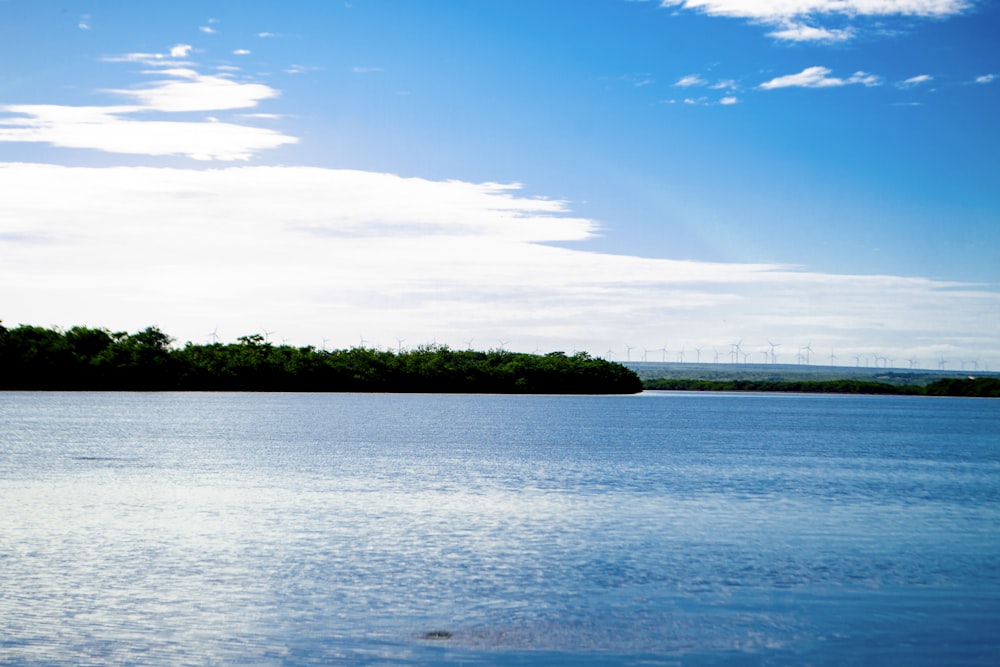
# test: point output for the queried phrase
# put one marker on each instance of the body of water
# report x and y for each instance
(301, 529)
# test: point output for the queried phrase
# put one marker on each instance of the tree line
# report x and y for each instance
(83, 358)
(983, 387)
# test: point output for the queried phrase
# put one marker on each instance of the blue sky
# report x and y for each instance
(554, 175)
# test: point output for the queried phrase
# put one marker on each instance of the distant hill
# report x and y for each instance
(651, 370)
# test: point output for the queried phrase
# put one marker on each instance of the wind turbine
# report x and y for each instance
(628, 352)
(857, 361)
(833, 358)
(717, 355)
(399, 345)
(807, 349)
(363, 341)
(468, 343)
(645, 354)
(610, 353)
(941, 363)
(913, 362)
(503, 344)
(325, 340)
(774, 357)
(267, 334)
(214, 335)
(680, 356)
(663, 354)
(698, 354)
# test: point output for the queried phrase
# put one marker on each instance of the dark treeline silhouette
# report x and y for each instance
(978, 387)
(83, 358)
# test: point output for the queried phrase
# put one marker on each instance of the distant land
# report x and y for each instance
(654, 370)
(813, 379)
(82, 358)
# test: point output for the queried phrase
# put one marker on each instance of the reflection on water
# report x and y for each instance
(371, 529)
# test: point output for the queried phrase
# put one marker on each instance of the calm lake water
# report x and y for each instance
(286, 529)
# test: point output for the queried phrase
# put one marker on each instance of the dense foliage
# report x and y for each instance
(980, 387)
(82, 358)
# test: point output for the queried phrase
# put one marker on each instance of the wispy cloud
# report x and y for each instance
(185, 89)
(151, 59)
(705, 101)
(114, 129)
(915, 81)
(986, 78)
(775, 10)
(819, 77)
(125, 128)
(241, 52)
(393, 256)
(639, 80)
(690, 80)
(208, 30)
(366, 70)
(791, 16)
(84, 22)
(792, 31)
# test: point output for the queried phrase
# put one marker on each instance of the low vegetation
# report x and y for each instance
(81, 358)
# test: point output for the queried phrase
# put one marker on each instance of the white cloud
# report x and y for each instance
(121, 129)
(180, 51)
(208, 30)
(915, 81)
(790, 15)
(241, 52)
(725, 84)
(818, 77)
(727, 101)
(690, 80)
(110, 129)
(799, 32)
(986, 78)
(265, 35)
(84, 22)
(187, 90)
(334, 253)
(783, 10)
